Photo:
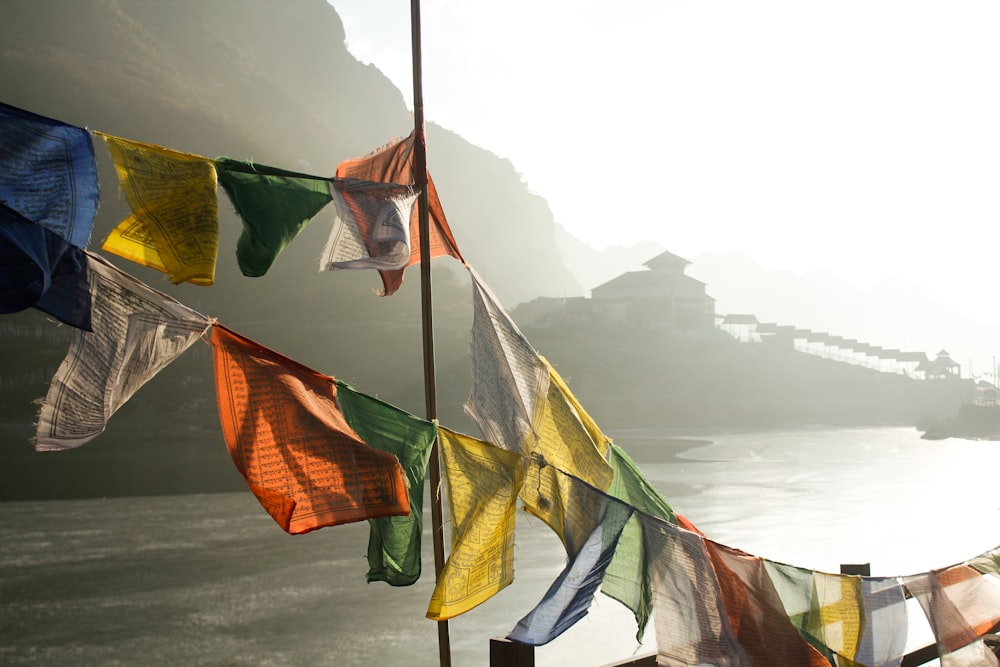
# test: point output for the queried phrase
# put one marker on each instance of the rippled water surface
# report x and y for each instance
(211, 580)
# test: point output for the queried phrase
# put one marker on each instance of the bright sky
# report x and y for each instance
(862, 137)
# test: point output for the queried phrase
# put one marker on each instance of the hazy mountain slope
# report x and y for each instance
(272, 82)
(593, 267)
(262, 80)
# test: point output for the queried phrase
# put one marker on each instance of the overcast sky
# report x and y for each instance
(862, 137)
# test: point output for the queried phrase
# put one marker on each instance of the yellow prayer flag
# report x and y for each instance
(601, 441)
(174, 226)
(483, 481)
(828, 609)
(561, 439)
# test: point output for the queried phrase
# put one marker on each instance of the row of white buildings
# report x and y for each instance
(664, 297)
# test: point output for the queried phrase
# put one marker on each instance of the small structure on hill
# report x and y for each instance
(661, 297)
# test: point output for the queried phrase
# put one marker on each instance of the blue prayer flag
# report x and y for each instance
(48, 173)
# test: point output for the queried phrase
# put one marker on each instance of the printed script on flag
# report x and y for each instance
(371, 227)
(290, 441)
(174, 226)
(483, 481)
(137, 331)
(393, 163)
(48, 173)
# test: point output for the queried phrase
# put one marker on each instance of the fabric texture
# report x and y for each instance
(274, 204)
(393, 163)
(174, 226)
(290, 441)
(136, 332)
(40, 269)
(482, 481)
(756, 613)
(394, 541)
(961, 605)
(628, 578)
(371, 226)
(569, 597)
(692, 628)
(48, 173)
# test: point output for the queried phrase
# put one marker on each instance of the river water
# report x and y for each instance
(211, 580)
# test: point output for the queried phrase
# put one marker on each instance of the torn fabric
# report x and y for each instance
(137, 331)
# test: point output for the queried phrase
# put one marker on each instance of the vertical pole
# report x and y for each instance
(430, 384)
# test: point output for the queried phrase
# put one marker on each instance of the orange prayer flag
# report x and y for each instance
(393, 163)
(961, 604)
(755, 611)
(290, 441)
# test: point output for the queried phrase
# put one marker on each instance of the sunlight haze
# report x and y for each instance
(857, 137)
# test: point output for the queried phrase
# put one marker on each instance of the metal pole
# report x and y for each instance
(430, 384)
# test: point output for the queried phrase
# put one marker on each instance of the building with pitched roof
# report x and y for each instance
(662, 296)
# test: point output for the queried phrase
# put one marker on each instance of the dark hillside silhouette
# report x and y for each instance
(273, 82)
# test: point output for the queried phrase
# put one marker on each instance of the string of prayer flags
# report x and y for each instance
(827, 609)
(48, 173)
(394, 541)
(291, 443)
(371, 228)
(756, 613)
(40, 269)
(483, 481)
(570, 595)
(961, 605)
(628, 578)
(274, 204)
(393, 163)
(137, 331)
(521, 403)
(174, 225)
(688, 614)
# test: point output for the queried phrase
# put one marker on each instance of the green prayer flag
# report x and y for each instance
(628, 577)
(274, 204)
(394, 541)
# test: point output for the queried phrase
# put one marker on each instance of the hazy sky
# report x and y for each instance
(861, 137)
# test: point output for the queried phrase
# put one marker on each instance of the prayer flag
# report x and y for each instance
(561, 443)
(692, 628)
(570, 595)
(371, 228)
(48, 173)
(290, 441)
(961, 605)
(827, 609)
(521, 403)
(394, 541)
(987, 562)
(39, 268)
(482, 481)
(755, 611)
(628, 577)
(137, 331)
(883, 640)
(274, 205)
(393, 163)
(174, 226)
(508, 375)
